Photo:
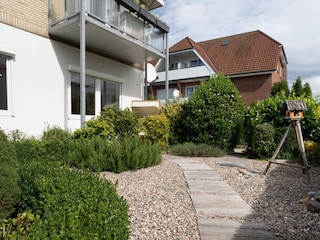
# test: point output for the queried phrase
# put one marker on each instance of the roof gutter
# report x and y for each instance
(251, 74)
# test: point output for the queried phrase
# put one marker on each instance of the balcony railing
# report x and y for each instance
(125, 16)
(185, 73)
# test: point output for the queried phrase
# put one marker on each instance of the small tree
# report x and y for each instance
(297, 88)
(213, 114)
(307, 90)
(280, 88)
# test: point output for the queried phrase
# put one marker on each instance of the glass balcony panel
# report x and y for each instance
(131, 25)
(109, 12)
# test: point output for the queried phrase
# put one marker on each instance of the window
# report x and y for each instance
(3, 83)
(99, 94)
(173, 66)
(109, 94)
(195, 63)
(190, 90)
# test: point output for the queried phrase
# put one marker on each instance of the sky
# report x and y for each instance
(293, 23)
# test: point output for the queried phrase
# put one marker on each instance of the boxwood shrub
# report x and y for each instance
(72, 204)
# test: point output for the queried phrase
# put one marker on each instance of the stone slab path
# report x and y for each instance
(218, 206)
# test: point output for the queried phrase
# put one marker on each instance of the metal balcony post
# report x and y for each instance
(82, 63)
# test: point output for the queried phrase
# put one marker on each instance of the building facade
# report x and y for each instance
(253, 61)
(46, 52)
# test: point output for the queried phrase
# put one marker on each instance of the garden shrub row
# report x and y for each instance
(120, 155)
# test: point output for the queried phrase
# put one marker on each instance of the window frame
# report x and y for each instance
(9, 58)
(98, 78)
(189, 87)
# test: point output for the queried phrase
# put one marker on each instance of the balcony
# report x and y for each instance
(184, 73)
(117, 29)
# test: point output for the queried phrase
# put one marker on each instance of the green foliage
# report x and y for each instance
(312, 152)
(9, 189)
(97, 126)
(297, 89)
(213, 114)
(307, 90)
(280, 88)
(270, 110)
(173, 113)
(124, 121)
(156, 129)
(72, 204)
(56, 134)
(31, 149)
(16, 135)
(120, 155)
(196, 150)
(263, 144)
(17, 228)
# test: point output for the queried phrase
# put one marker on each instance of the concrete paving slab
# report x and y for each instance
(232, 162)
(206, 175)
(210, 187)
(230, 229)
(221, 205)
(194, 166)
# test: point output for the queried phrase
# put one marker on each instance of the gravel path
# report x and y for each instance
(160, 206)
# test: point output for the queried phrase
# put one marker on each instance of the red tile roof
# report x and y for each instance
(242, 53)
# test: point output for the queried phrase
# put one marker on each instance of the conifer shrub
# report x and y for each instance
(123, 154)
(9, 189)
(72, 204)
(156, 129)
(196, 150)
(213, 114)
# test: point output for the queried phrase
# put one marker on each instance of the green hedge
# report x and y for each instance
(72, 204)
(9, 189)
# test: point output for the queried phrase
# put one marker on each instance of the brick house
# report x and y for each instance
(62, 61)
(253, 61)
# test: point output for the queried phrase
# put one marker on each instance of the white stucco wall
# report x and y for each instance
(39, 81)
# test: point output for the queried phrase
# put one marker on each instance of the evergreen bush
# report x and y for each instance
(213, 114)
(9, 189)
(72, 204)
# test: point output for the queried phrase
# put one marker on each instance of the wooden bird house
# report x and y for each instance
(295, 109)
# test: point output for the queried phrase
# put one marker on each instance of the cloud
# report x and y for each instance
(294, 23)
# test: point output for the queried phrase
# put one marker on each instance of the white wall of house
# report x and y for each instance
(39, 81)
